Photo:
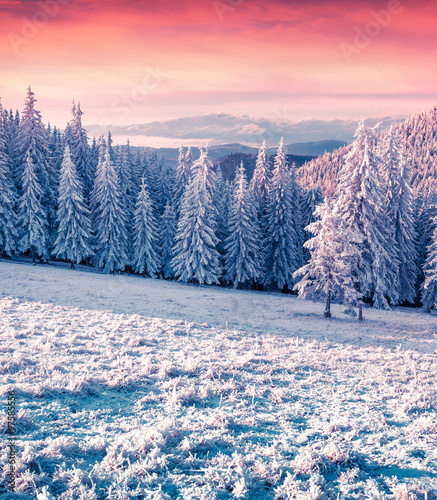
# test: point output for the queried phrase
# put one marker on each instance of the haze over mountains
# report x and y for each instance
(217, 129)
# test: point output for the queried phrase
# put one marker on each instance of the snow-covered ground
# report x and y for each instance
(136, 388)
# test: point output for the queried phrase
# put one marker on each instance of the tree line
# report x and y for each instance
(99, 204)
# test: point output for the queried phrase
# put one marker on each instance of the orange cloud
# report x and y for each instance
(104, 53)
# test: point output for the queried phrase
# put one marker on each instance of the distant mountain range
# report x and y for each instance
(308, 137)
(220, 152)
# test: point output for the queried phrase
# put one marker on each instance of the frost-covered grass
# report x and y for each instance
(123, 405)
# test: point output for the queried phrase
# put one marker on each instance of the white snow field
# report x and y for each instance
(132, 388)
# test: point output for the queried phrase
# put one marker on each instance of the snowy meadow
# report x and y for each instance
(137, 388)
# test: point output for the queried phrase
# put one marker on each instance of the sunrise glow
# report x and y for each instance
(134, 62)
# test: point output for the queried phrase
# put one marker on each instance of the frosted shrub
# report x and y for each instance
(293, 489)
(191, 365)
(204, 392)
(401, 492)
(314, 493)
(85, 493)
(277, 395)
(337, 455)
(45, 494)
(83, 384)
(203, 492)
(27, 481)
(219, 420)
(61, 446)
(309, 462)
(166, 369)
(290, 489)
(349, 476)
(137, 341)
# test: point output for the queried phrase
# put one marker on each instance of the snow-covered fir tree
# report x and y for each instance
(429, 287)
(189, 159)
(111, 238)
(110, 147)
(295, 206)
(3, 118)
(221, 201)
(399, 198)
(8, 219)
(168, 179)
(11, 125)
(332, 270)
(3, 126)
(195, 254)
(167, 235)
(152, 174)
(361, 204)
(68, 134)
(426, 171)
(125, 179)
(244, 260)
(56, 149)
(333, 266)
(73, 242)
(80, 150)
(323, 171)
(206, 166)
(32, 215)
(183, 176)
(146, 260)
(127, 188)
(425, 211)
(94, 158)
(309, 200)
(282, 241)
(32, 137)
(137, 168)
(260, 182)
(8, 137)
(95, 208)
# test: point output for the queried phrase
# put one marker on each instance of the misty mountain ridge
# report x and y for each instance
(251, 131)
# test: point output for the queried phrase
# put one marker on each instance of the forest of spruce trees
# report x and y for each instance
(358, 225)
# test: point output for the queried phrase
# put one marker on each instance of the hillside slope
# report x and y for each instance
(123, 391)
(252, 311)
(419, 135)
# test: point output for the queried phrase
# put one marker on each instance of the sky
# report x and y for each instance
(133, 62)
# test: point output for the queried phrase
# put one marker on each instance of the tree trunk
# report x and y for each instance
(327, 313)
(32, 253)
(360, 312)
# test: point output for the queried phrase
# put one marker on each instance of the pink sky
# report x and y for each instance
(134, 62)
